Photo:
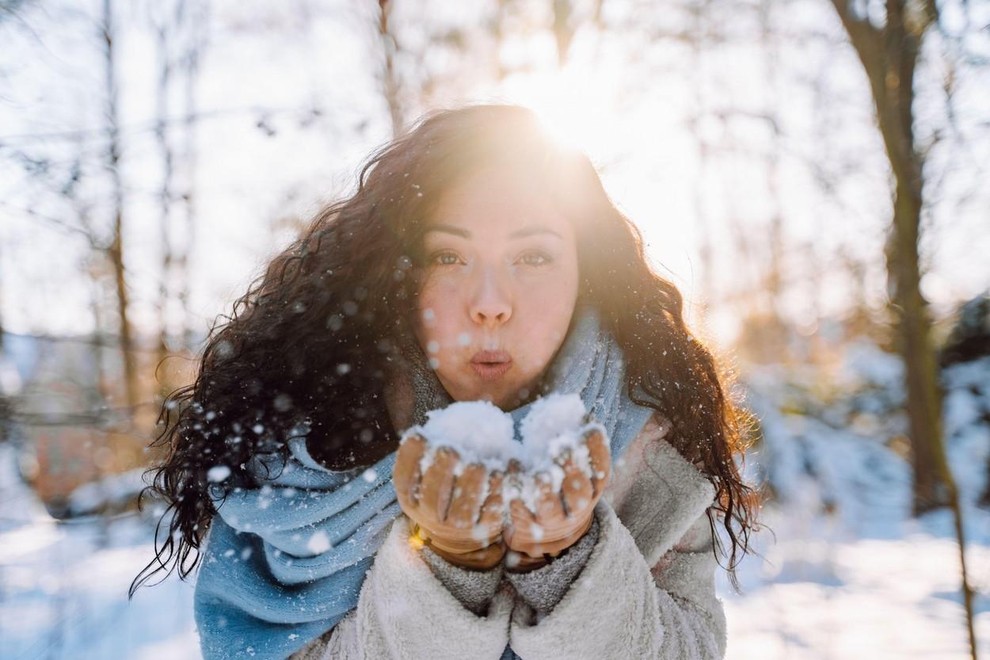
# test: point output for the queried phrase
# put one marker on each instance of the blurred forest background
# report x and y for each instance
(813, 174)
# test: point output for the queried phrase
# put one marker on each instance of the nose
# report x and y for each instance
(491, 303)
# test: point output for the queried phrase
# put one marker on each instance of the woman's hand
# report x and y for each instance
(459, 516)
(562, 516)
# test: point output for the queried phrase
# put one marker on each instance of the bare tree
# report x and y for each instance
(775, 276)
(563, 28)
(113, 165)
(390, 78)
(197, 19)
(706, 251)
(179, 40)
(164, 28)
(889, 54)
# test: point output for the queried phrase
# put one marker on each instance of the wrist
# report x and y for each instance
(531, 556)
(517, 562)
(480, 559)
(484, 559)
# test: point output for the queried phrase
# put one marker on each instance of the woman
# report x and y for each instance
(477, 260)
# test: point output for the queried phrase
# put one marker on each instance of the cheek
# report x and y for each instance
(548, 311)
(435, 320)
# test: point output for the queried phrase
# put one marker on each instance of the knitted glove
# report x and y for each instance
(457, 510)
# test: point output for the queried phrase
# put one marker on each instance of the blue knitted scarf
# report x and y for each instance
(284, 562)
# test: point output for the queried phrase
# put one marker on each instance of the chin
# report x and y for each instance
(494, 398)
(512, 400)
(506, 398)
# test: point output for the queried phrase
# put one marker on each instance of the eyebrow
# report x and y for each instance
(448, 229)
(534, 230)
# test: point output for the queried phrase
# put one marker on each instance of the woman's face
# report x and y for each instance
(500, 285)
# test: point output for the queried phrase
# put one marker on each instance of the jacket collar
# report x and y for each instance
(656, 493)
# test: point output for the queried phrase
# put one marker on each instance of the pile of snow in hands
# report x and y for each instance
(556, 429)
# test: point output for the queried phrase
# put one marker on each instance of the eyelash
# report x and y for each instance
(544, 259)
(534, 259)
(437, 259)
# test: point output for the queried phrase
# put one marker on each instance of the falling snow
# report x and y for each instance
(857, 578)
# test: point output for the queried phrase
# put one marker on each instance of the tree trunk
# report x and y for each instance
(116, 249)
(165, 195)
(563, 30)
(194, 54)
(706, 233)
(390, 80)
(917, 350)
(889, 55)
(180, 38)
(776, 331)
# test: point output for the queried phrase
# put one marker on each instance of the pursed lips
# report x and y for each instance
(491, 365)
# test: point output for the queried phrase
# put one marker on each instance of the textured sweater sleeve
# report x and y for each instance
(473, 589)
(543, 588)
(404, 611)
(667, 612)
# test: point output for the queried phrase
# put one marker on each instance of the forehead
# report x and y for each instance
(499, 201)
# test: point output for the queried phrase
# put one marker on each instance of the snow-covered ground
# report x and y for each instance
(63, 586)
(836, 596)
(845, 572)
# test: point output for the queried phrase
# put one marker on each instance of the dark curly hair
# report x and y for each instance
(308, 349)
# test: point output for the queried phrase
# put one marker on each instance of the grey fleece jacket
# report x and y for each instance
(646, 589)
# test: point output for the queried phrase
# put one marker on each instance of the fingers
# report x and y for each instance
(481, 518)
(437, 484)
(513, 482)
(475, 516)
(514, 468)
(469, 491)
(577, 491)
(406, 473)
(601, 460)
(532, 536)
(518, 534)
(492, 511)
(549, 506)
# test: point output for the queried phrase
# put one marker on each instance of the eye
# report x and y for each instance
(445, 258)
(535, 258)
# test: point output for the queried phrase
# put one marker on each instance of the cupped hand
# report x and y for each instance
(457, 509)
(563, 515)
